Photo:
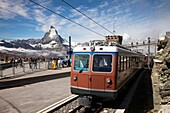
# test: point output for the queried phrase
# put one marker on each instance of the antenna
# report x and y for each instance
(114, 28)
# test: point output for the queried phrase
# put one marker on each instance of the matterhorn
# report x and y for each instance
(52, 40)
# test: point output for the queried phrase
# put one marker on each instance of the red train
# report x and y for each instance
(102, 71)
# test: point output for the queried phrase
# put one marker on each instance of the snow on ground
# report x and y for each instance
(30, 53)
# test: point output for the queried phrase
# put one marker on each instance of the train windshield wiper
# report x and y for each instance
(81, 70)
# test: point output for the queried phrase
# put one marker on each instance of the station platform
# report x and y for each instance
(34, 77)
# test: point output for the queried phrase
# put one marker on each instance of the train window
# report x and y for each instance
(122, 63)
(137, 62)
(119, 64)
(102, 63)
(81, 62)
(129, 61)
(133, 61)
(125, 62)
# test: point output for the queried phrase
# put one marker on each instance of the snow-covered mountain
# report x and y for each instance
(52, 35)
(51, 40)
(16, 44)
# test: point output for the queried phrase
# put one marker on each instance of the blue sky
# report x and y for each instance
(135, 19)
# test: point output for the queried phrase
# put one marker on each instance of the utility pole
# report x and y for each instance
(114, 29)
(69, 63)
(155, 48)
(149, 51)
(131, 45)
(137, 46)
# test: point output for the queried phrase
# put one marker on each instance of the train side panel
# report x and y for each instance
(131, 64)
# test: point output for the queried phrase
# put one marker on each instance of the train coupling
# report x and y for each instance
(85, 101)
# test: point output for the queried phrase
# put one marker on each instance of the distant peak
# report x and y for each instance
(52, 32)
(52, 27)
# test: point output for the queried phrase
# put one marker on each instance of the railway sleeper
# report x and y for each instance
(89, 101)
(85, 101)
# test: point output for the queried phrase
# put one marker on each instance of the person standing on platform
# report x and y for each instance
(16, 62)
(66, 61)
(20, 62)
(61, 62)
(53, 64)
(35, 63)
(30, 63)
(58, 62)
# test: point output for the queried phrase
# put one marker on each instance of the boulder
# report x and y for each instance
(167, 58)
(164, 66)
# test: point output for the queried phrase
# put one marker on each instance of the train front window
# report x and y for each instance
(81, 62)
(102, 63)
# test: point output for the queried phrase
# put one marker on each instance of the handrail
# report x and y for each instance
(16, 69)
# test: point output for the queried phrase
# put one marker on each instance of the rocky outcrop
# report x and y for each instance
(163, 66)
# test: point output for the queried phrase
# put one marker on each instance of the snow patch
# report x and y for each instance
(31, 53)
(52, 33)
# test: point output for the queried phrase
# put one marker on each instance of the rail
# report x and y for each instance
(59, 104)
(12, 70)
(120, 105)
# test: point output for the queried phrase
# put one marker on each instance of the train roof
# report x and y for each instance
(120, 49)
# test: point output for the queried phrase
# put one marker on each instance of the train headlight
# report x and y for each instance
(92, 48)
(75, 78)
(109, 81)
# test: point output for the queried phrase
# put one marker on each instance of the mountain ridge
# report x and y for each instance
(58, 43)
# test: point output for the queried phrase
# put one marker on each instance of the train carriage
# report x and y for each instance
(102, 71)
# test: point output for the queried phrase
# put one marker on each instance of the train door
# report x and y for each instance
(81, 70)
(101, 68)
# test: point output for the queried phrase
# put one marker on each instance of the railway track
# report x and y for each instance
(63, 105)
(120, 105)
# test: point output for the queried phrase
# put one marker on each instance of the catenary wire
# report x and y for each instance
(86, 16)
(66, 18)
(9, 11)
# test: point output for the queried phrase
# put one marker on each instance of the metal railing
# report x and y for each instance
(17, 69)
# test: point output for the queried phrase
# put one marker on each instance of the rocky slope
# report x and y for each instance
(164, 72)
(161, 75)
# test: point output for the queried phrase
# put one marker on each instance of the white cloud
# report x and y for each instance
(40, 16)
(45, 21)
(74, 13)
(10, 9)
(59, 9)
(105, 4)
(120, 17)
(99, 16)
(138, 30)
(141, 31)
(135, 30)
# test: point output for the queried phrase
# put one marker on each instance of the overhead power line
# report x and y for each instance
(65, 18)
(9, 11)
(86, 16)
